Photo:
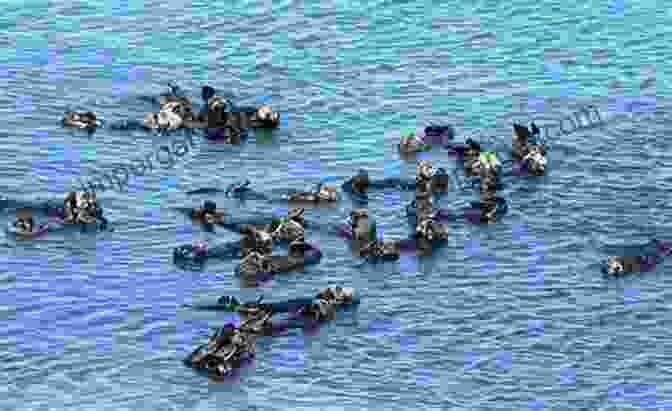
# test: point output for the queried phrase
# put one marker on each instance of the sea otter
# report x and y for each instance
(83, 120)
(532, 156)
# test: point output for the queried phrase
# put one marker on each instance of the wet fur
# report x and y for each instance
(524, 151)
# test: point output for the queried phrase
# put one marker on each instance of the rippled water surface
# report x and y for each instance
(511, 316)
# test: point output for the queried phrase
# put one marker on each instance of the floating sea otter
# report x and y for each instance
(469, 153)
(263, 266)
(226, 350)
(489, 183)
(360, 184)
(84, 120)
(225, 122)
(25, 227)
(221, 119)
(644, 262)
(340, 295)
(422, 140)
(324, 196)
(530, 156)
(231, 347)
(365, 243)
(287, 229)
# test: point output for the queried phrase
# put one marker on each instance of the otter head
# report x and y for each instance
(614, 265)
(357, 215)
(179, 108)
(408, 142)
(255, 259)
(85, 199)
(168, 119)
(472, 148)
(327, 193)
(151, 120)
(81, 120)
(81, 199)
(287, 230)
(216, 103)
(424, 169)
(338, 293)
(343, 293)
(488, 162)
(267, 116)
(360, 182)
(208, 217)
(389, 248)
(263, 242)
(162, 119)
(425, 229)
(535, 160)
(24, 224)
(70, 198)
(359, 221)
(431, 230)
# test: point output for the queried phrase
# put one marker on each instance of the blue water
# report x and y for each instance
(510, 316)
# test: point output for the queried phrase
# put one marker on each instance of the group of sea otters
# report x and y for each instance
(221, 119)
(230, 347)
(257, 244)
(79, 207)
(227, 348)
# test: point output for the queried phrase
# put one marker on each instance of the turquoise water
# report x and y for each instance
(511, 316)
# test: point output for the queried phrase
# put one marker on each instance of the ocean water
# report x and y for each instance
(510, 316)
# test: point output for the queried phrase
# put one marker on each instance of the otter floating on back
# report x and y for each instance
(225, 351)
(469, 153)
(324, 195)
(83, 120)
(167, 118)
(532, 156)
(360, 183)
(422, 140)
(645, 262)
